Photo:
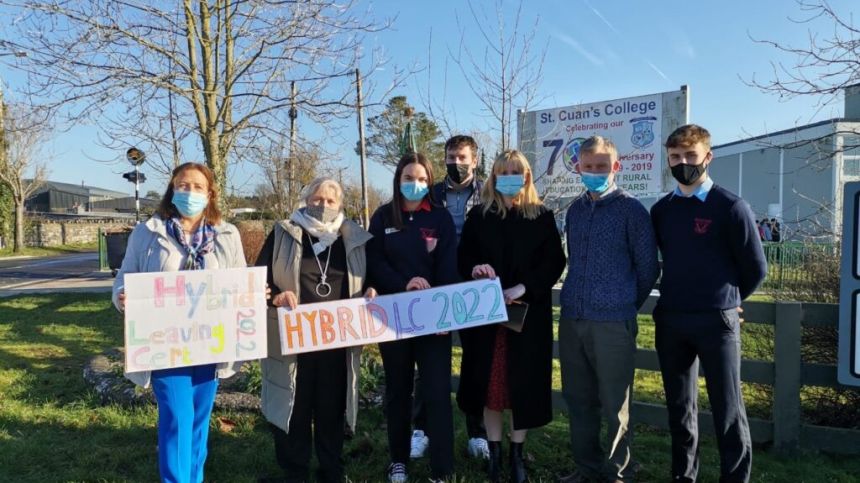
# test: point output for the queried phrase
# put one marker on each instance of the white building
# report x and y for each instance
(796, 175)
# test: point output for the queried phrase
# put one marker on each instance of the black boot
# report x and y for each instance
(518, 468)
(494, 465)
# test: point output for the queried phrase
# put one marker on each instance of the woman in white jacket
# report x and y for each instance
(186, 233)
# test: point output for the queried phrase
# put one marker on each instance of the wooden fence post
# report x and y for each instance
(786, 387)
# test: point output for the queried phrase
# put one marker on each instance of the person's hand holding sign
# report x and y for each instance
(121, 299)
(514, 293)
(370, 294)
(417, 283)
(483, 271)
(286, 299)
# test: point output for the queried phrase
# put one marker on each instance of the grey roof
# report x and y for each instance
(80, 190)
(785, 131)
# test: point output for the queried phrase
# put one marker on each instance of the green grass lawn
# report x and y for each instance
(48, 251)
(53, 428)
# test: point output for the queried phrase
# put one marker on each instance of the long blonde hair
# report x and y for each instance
(527, 200)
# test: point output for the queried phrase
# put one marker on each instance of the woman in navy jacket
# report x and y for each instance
(414, 247)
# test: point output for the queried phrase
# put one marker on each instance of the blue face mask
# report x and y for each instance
(413, 190)
(510, 184)
(594, 182)
(189, 203)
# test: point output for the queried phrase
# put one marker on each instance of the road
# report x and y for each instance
(72, 272)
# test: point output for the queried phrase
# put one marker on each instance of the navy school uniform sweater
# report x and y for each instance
(712, 255)
(425, 247)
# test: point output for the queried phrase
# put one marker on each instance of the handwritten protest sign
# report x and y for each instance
(189, 318)
(344, 323)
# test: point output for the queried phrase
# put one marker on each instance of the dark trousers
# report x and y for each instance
(432, 354)
(474, 422)
(320, 404)
(683, 341)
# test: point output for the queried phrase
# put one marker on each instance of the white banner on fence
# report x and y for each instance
(633, 124)
(344, 323)
(190, 318)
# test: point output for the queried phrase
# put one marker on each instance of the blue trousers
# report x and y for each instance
(185, 398)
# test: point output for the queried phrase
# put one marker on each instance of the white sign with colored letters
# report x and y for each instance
(633, 124)
(190, 318)
(351, 322)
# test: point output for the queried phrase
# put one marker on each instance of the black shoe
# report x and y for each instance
(494, 464)
(518, 468)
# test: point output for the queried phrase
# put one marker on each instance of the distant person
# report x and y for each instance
(314, 256)
(712, 261)
(765, 230)
(458, 192)
(775, 233)
(512, 236)
(186, 233)
(612, 267)
(414, 247)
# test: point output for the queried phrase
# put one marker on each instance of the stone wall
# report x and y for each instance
(52, 233)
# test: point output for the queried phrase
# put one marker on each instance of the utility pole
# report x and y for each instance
(294, 113)
(362, 151)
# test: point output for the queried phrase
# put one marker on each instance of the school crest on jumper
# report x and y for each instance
(701, 225)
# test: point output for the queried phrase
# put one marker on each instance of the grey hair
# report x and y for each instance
(318, 183)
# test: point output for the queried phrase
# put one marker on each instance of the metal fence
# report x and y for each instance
(786, 262)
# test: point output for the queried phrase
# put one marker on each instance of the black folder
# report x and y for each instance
(516, 316)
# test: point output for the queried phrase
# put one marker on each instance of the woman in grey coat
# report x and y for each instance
(315, 256)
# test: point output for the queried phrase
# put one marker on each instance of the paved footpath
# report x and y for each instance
(75, 272)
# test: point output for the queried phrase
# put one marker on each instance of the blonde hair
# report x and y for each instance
(599, 144)
(527, 200)
(318, 184)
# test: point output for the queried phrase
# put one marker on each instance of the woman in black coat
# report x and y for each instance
(511, 235)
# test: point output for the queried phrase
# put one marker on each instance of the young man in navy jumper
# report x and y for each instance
(712, 260)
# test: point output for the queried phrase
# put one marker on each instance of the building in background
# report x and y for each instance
(796, 175)
(66, 198)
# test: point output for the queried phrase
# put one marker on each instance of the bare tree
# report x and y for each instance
(352, 206)
(506, 72)
(825, 66)
(23, 134)
(220, 69)
(274, 194)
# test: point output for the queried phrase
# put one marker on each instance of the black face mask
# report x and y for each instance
(687, 174)
(458, 172)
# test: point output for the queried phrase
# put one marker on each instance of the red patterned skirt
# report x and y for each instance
(497, 391)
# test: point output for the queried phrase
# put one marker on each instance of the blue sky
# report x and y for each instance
(594, 51)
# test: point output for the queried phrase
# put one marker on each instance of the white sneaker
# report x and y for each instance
(397, 473)
(420, 442)
(478, 448)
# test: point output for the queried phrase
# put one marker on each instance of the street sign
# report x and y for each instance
(135, 176)
(849, 290)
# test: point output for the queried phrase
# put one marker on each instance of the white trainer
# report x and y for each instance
(420, 442)
(397, 473)
(478, 448)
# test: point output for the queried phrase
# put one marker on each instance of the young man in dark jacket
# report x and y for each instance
(712, 261)
(612, 267)
(458, 192)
